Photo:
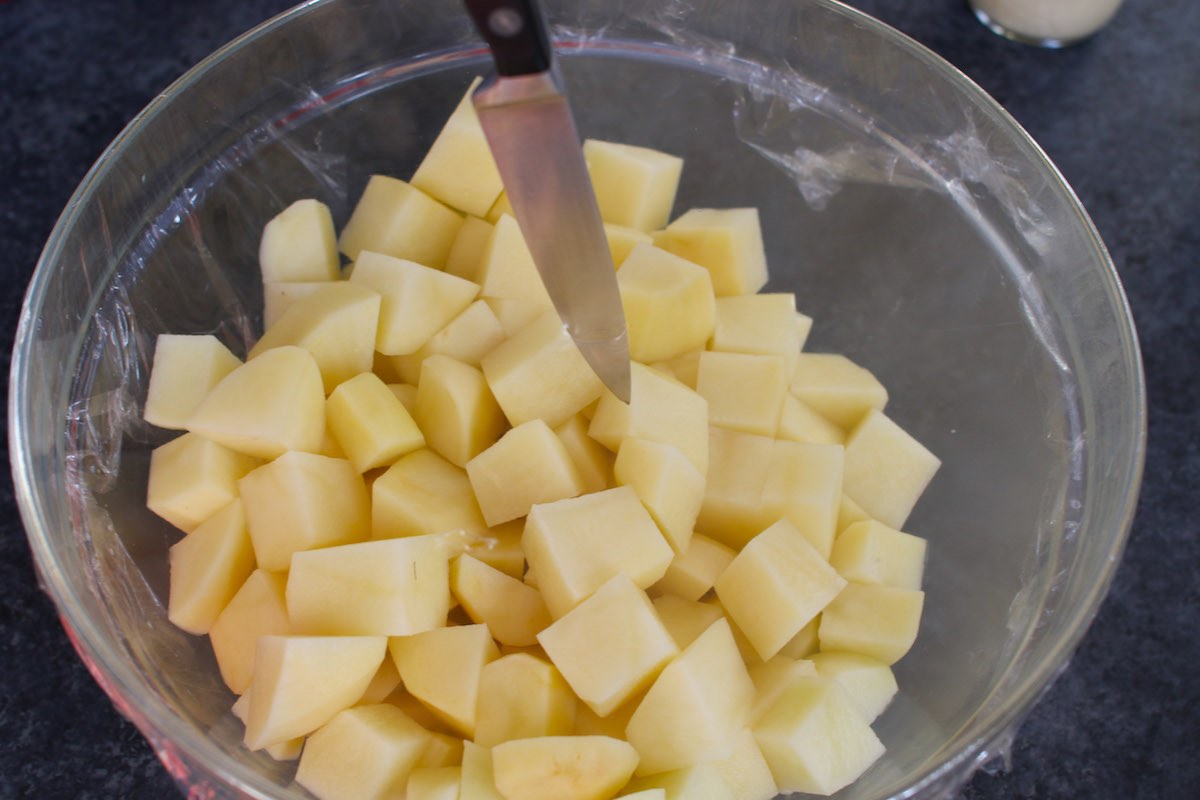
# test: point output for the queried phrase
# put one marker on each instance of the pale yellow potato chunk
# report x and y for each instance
(578, 544)
(694, 571)
(363, 753)
(466, 254)
(815, 740)
(775, 586)
(513, 612)
(869, 683)
(799, 423)
(434, 783)
(507, 269)
(423, 493)
(837, 388)
(804, 643)
(385, 681)
(281, 751)
(279, 296)
(876, 621)
(562, 767)
(850, 512)
(267, 406)
(301, 501)
(417, 301)
(685, 368)
(478, 774)
(521, 697)
(773, 677)
(441, 668)
(746, 771)
(299, 244)
(370, 424)
(744, 392)
(500, 548)
(258, 609)
(528, 465)
(399, 220)
(514, 314)
(394, 587)
(192, 478)
(804, 485)
(667, 483)
(336, 325)
(887, 470)
(468, 337)
(685, 620)
(694, 782)
(185, 369)
(635, 186)
(668, 302)
(208, 566)
(458, 169)
(758, 324)
(727, 242)
(593, 461)
(456, 409)
(622, 239)
(871, 552)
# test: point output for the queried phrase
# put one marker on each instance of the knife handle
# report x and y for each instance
(515, 32)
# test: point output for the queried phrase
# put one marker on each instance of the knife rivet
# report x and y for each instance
(505, 22)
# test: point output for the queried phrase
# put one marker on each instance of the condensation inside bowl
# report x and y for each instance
(921, 260)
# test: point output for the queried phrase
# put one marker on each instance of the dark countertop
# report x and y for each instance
(1120, 115)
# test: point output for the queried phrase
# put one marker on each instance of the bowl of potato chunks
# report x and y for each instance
(332, 507)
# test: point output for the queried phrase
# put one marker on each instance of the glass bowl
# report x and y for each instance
(926, 233)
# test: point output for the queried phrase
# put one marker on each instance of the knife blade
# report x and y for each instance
(531, 132)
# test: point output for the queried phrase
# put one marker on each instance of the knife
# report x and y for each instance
(527, 120)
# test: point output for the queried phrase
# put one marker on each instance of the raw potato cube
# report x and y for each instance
(668, 302)
(746, 771)
(804, 484)
(434, 783)
(869, 683)
(744, 392)
(458, 169)
(804, 643)
(185, 369)
(399, 220)
(514, 315)
(576, 545)
(876, 621)
(386, 681)
(772, 678)
(423, 493)
(507, 268)
(301, 501)
(611, 646)
(337, 325)
(871, 552)
(468, 337)
(759, 324)
(850, 512)
(301, 682)
(799, 423)
(562, 767)
(775, 586)
(191, 478)
(837, 388)
(696, 782)
(694, 571)
(370, 424)
(441, 668)
(418, 301)
(395, 587)
(635, 186)
(591, 459)
(258, 609)
(727, 242)
(478, 775)
(815, 740)
(278, 297)
(685, 620)
(528, 465)
(466, 255)
(500, 548)
(267, 406)
(886, 469)
(539, 373)
(208, 566)
(521, 697)
(281, 751)
(299, 244)
(513, 612)
(621, 240)
(668, 485)
(456, 409)
(661, 410)
(363, 753)
(685, 368)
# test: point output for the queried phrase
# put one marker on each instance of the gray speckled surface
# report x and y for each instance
(1120, 116)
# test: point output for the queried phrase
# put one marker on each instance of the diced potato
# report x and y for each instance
(695, 709)
(363, 753)
(804, 485)
(468, 337)
(301, 501)
(775, 586)
(815, 740)
(522, 697)
(267, 406)
(869, 683)
(539, 373)
(773, 677)
(434, 783)
(758, 324)
(208, 566)
(685, 620)
(423, 493)
(694, 571)
(478, 774)
(562, 767)
(418, 301)
(395, 587)
(622, 239)
(399, 220)
(804, 643)
(370, 424)
(576, 545)
(278, 297)
(458, 169)
(185, 369)
(850, 512)
(611, 646)
(386, 681)
(514, 314)
(441, 668)
(514, 613)
(507, 268)
(799, 423)
(593, 461)
(192, 478)
(635, 186)
(456, 409)
(744, 392)
(727, 242)
(500, 548)
(299, 244)
(669, 486)
(466, 254)
(668, 302)
(837, 388)
(280, 751)
(528, 465)
(258, 609)
(746, 771)
(876, 621)
(685, 368)
(887, 470)
(871, 552)
(301, 682)
(694, 782)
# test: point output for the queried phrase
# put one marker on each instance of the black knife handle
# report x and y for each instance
(515, 31)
